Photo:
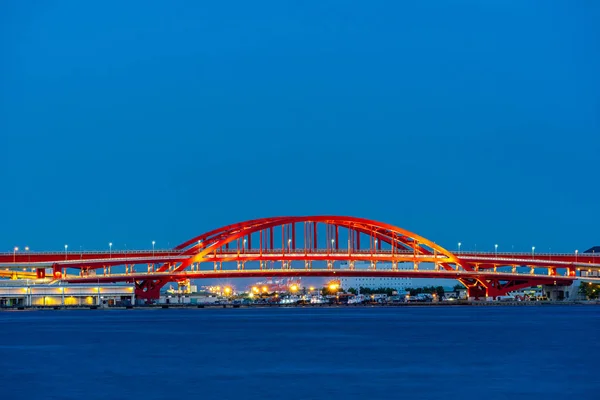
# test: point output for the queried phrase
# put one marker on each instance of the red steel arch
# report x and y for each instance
(400, 243)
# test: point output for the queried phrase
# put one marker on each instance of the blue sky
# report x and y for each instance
(473, 121)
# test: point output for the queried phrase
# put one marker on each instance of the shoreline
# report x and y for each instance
(269, 306)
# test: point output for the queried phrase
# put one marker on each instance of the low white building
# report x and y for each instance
(399, 284)
(27, 293)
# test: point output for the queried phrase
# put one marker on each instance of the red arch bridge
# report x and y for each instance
(316, 246)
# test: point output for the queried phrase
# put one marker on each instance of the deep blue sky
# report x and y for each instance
(473, 121)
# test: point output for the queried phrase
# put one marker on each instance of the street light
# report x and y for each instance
(153, 243)
(110, 250)
(459, 244)
(496, 250)
(15, 254)
(66, 253)
(532, 251)
(576, 252)
(28, 255)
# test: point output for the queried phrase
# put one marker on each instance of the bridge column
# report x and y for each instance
(395, 266)
(483, 290)
(40, 273)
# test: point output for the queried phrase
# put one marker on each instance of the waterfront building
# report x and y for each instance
(26, 293)
(400, 284)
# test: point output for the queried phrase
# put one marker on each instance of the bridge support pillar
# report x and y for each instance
(57, 271)
(40, 273)
(149, 290)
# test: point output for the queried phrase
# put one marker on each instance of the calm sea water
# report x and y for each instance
(302, 353)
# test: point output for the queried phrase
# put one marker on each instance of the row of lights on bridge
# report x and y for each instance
(496, 249)
(110, 244)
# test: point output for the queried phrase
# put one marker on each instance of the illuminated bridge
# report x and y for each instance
(305, 246)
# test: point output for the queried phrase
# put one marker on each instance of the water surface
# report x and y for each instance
(302, 353)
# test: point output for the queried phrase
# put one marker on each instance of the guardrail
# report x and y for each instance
(287, 250)
(74, 251)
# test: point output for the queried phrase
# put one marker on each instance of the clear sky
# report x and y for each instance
(474, 121)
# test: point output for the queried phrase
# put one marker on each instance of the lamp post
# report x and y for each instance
(66, 251)
(153, 243)
(459, 244)
(532, 251)
(496, 250)
(110, 250)
(576, 252)
(15, 254)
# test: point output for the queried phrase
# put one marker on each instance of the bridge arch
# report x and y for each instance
(296, 238)
(396, 238)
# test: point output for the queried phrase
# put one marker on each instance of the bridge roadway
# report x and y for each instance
(99, 259)
(318, 272)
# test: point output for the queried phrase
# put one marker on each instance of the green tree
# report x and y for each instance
(591, 291)
(439, 291)
(352, 290)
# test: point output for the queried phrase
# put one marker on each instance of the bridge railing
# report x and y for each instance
(521, 253)
(22, 253)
